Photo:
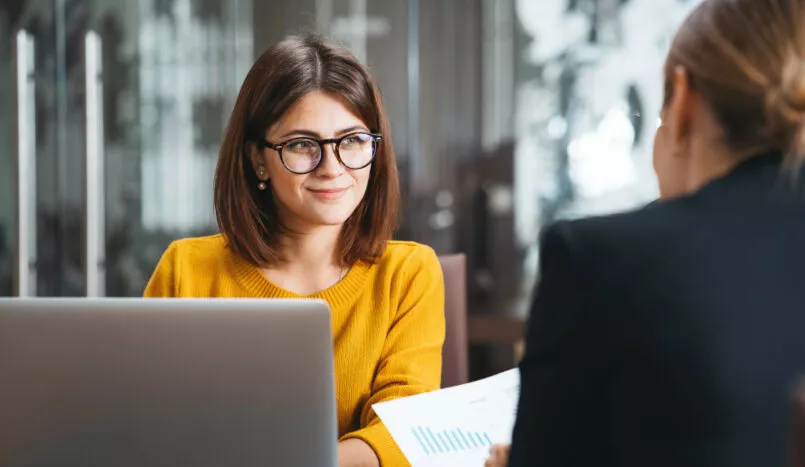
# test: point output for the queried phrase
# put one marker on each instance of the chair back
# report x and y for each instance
(454, 358)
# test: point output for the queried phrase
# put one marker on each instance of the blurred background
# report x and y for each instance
(506, 115)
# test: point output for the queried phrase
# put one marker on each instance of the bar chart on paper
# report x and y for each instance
(455, 426)
(445, 441)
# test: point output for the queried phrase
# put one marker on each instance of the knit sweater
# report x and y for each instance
(387, 322)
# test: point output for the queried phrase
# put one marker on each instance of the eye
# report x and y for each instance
(356, 139)
(302, 145)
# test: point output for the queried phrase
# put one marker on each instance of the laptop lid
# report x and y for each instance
(166, 382)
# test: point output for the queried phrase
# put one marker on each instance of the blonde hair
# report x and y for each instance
(747, 59)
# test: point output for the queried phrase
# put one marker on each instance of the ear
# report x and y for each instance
(258, 161)
(679, 117)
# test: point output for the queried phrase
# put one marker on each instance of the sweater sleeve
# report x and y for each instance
(411, 359)
(164, 281)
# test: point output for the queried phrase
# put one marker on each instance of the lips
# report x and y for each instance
(328, 190)
(328, 193)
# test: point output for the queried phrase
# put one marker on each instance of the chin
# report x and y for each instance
(332, 222)
(331, 218)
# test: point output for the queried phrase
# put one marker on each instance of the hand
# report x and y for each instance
(498, 455)
(356, 453)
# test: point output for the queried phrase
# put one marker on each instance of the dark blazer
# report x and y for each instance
(672, 335)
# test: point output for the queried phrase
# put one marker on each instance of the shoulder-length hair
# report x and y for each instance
(287, 71)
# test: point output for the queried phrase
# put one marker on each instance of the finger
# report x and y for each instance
(491, 461)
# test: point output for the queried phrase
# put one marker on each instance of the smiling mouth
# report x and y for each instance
(328, 193)
(328, 190)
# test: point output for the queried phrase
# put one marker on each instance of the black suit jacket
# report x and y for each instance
(670, 336)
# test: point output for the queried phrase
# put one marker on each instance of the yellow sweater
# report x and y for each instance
(387, 320)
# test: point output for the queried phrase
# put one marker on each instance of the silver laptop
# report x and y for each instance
(146, 383)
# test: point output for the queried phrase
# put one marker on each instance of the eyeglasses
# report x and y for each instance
(304, 155)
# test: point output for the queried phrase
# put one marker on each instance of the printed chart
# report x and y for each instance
(454, 426)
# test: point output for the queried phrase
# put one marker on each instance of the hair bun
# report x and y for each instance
(785, 108)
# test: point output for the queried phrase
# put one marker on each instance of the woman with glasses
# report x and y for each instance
(306, 195)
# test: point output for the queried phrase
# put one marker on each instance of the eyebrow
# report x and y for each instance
(313, 134)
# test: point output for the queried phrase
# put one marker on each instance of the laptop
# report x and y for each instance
(166, 382)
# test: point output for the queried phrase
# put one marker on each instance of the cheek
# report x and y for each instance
(361, 178)
(285, 186)
(658, 153)
(665, 166)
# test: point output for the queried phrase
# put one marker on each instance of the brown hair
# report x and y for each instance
(747, 59)
(285, 72)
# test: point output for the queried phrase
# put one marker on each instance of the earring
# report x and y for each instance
(261, 172)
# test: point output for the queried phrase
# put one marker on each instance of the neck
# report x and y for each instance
(312, 248)
(717, 163)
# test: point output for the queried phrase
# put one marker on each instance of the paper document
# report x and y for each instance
(454, 426)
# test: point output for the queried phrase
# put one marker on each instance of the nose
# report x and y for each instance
(330, 166)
